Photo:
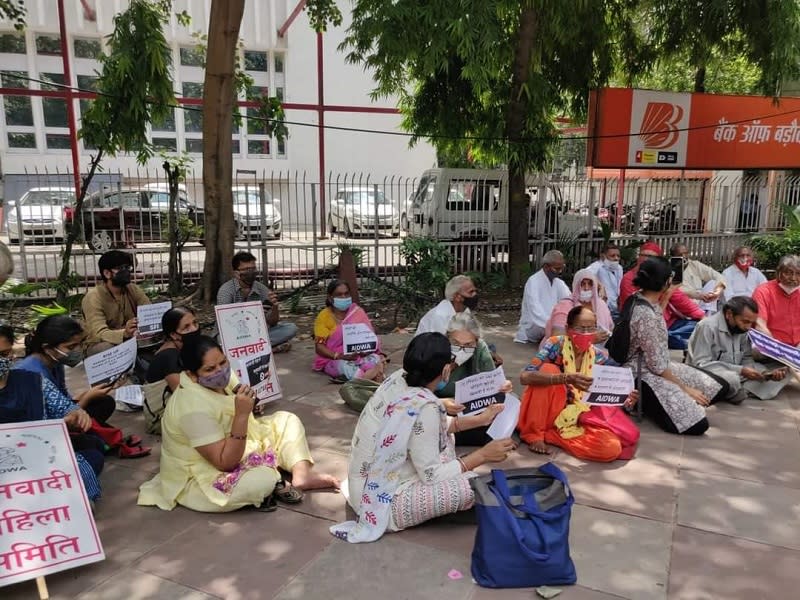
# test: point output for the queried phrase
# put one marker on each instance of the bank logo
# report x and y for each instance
(659, 128)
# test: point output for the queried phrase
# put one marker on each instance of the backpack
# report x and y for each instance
(618, 345)
(155, 402)
(357, 392)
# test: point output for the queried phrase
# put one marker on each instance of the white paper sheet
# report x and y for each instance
(130, 394)
(505, 422)
(109, 364)
(149, 317)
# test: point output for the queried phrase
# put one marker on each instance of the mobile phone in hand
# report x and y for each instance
(676, 263)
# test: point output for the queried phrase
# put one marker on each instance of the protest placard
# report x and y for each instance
(358, 337)
(109, 365)
(149, 317)
(505, 422)
(244, 335)
(611, 386)
(46, 523)
(769, 346)
(477, 392)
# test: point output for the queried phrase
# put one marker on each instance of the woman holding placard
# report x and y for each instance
(552, 411)
(333, 358)
(215, 456)
(472, 356)
(403, 467)
(179, 324)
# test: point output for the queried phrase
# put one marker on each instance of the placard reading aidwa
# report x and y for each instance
(108, 365)
(358, 337)
(244, 335)
(611, 386)
(46, 523)
(477, 392)
(769, 346)
(149, 317)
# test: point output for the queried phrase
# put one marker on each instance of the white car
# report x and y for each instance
(39, 215)
(247, 213)
(357, 210)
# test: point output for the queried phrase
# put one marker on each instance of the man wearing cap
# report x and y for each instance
(626, 287)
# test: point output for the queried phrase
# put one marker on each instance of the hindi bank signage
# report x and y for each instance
(631, 128)
(46, 523)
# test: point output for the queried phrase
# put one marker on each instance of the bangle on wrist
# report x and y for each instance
(455, 424)
(238, 437)
(463, 464)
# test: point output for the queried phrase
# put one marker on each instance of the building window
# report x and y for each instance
(194, 145)
(54, 109)
(14, 79)
(256, 61)
(48, 45)
(57, 141)
(87, 48)
(282, 147)
(22, 140)
(235, 148)
(168, 124)
(258, 147)
(279, 63)
(192, 56)
(18, 110)
(279, 92)
(12, 43)
(87, 83)
(166, 144)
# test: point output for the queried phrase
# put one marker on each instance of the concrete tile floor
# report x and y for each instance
(716, 517)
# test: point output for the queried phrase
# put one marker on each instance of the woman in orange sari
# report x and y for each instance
(552, 411)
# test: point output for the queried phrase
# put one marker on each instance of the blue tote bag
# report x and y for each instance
(523, 528)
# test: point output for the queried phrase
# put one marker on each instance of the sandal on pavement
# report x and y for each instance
(133, 440)
(286, 493)
(133, 451)
(268, 505)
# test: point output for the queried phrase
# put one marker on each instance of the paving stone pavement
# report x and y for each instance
(716, 517)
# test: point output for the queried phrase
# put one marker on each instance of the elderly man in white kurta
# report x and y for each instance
(543, 290)
(460, 293)
(742, 278)
(700, 282)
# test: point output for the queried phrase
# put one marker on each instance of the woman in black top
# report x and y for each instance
(179, 325)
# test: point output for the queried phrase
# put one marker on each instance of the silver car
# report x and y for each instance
(39, 215)
(359, 210)
(247, 213)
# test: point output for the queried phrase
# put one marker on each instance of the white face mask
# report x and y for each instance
(788, 289)
(611, 264)
(462, 354)
(586, 295)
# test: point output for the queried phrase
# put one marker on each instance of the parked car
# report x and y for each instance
(118, 217)
(359, 210)
(40, 214)
(247, 213)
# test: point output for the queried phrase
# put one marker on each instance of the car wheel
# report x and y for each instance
(101, 241)
(331, 226)
(346, 228)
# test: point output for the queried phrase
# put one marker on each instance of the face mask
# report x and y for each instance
(342, 303)
(582, 341)
(217, 380)
(5, 366)
(788, 289)
(735, 329)
(462, 354)
(71, 358)
(248, 277)
(611, 264)
(471, 302)
(744, 263)
(441, 385)
(121, 278)
(551, 275)
(586, 295)
(189, 337)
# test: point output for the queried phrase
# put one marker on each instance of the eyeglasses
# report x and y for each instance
(458, 348)
(248, 270)
(584, 329)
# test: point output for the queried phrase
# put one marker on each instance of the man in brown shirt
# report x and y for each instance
(110, 307)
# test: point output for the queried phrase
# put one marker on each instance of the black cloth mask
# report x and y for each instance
(471, 302)
(121, 278)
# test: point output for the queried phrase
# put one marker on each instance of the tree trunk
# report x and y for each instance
(218, 100)
(175, 274)
(74, 229)
(518, 206)
(700, 79)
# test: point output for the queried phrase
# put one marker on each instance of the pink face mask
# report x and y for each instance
(744, 263)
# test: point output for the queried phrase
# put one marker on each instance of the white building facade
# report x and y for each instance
(34, 131)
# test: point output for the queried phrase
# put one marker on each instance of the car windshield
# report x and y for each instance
(251, 197)
(365, 197)
(47, 198)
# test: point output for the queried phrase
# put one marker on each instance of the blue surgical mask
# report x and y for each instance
(441, 385)
(342, 303)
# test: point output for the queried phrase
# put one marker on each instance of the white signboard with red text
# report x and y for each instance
(46, 523)
(244, 336)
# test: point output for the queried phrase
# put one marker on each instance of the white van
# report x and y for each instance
(472, 205)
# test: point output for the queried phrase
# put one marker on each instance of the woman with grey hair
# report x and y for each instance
(471, 356)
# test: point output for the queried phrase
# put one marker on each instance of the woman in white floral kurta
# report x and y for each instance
(403, 467)
(674, 395)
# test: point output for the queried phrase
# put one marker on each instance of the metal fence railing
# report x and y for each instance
(296, 226)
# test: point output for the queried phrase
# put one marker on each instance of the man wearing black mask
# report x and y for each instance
(110, 307)
(244, 287)
(720, 345)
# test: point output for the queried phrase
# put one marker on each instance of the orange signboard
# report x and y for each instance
(631, 128)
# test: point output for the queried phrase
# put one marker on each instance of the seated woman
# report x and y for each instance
(28, 396)
(178, 324)
(403, 467)
(674, 395)
(215, 456)
(472, 357)
(585, 292)
(552, 411)
(329, 337)
(54, 343)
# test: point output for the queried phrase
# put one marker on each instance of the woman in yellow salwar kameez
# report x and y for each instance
(215, 456)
